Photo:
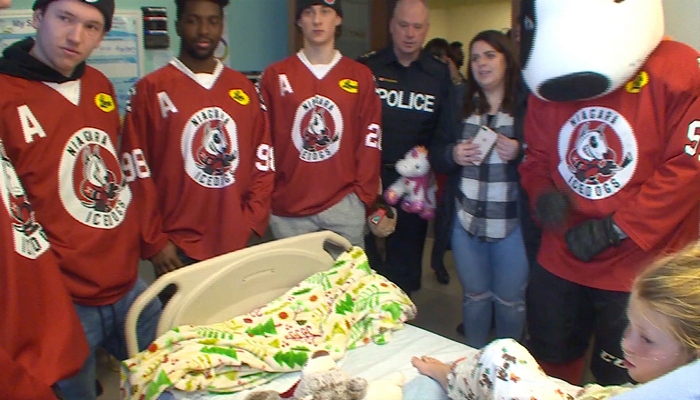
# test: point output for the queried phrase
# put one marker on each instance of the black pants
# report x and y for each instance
(441, 241)
(562, 318)
(532, 233)
(404, 252)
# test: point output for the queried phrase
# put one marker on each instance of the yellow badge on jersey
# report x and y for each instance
(239, 96)
(349, 85)
(105, 102)
(636, 84)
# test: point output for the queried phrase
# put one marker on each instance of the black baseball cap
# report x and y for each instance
(106, 7)
(304, 4)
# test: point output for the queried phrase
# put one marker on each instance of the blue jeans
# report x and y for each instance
(493, 277)
(104, 327)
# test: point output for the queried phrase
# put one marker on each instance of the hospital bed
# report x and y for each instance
(233, 284)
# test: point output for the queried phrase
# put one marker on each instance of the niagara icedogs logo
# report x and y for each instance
(91, 182)
(210, 148)
(28, 236)
(317, 129)
(597, 152)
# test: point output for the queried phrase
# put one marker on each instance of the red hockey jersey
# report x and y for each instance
(64, 153)
(326, 132)
(41, 338)
(632, 153)
(199, 160)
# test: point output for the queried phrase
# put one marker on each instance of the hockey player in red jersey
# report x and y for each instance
(41, 339)
(51, 345)
(59, 125)
(611, 168)
(325, 118)
(197, 149)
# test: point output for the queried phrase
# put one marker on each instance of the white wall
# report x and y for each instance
(464, 22)
(439, 26)
(682, 19)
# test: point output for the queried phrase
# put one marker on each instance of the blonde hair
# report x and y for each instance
(671, 287)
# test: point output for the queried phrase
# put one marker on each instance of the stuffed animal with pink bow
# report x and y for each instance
(416, 187)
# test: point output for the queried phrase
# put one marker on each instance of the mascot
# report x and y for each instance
(611, 168)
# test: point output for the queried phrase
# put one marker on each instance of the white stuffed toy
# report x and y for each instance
(416, 185)
(323, 380)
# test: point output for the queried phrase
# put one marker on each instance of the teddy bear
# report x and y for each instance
(322, 380)
(416, 185)
(382, 219)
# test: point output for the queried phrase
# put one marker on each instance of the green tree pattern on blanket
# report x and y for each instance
(368, 298)
(291, 358)
(394, 309)
(359, 331)
(321, 278)
(345, 306)
(364, 266)
(266, 328)
(338, 309)
(224, 351)
(302, 291)
(213, 333)
(156, 386)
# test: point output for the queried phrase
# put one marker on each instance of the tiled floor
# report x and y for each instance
(438, 311)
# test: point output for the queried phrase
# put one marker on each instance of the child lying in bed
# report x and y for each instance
(663, 334)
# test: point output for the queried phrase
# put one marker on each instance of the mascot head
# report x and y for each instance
(582, 49)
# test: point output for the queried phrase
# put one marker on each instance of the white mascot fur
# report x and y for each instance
(611, 167)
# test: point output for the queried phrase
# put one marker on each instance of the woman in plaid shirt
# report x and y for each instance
(482, 194)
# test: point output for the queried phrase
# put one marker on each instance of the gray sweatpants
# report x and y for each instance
(346, 218)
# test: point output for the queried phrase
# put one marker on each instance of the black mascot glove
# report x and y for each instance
(551, 208)
(591, 237)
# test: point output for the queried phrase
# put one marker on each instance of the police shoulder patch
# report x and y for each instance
(368, 54)
(439, 59)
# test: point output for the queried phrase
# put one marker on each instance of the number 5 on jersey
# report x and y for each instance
(693, 136)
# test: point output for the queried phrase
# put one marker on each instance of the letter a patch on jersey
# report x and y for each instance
(285, 86)
(166, 105)
(30, 125)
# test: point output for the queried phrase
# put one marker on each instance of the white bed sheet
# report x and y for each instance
(370, 362)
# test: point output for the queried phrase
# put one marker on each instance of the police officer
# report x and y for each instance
(416, 93)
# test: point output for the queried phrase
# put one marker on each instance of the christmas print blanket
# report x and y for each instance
(335, 310)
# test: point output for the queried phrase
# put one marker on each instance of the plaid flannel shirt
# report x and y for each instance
(487, 203)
